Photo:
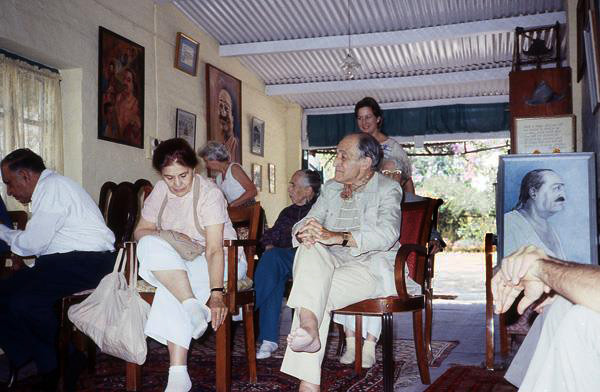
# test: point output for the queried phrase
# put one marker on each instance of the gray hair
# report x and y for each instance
(369, 147)
(399, 164)
(214, 151)
(312, 179)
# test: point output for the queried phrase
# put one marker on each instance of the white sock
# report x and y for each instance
(179, 379)
(197, 315)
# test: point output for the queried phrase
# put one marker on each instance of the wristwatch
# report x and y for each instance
(345, 238)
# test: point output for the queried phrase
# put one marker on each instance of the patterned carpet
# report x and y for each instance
(110, 375)
(471, 378)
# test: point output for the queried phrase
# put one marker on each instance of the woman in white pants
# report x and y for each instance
(184, 210)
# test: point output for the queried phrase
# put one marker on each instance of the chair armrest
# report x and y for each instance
(400, 265)
(229, 243)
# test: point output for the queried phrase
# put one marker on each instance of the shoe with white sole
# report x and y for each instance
(266, 349)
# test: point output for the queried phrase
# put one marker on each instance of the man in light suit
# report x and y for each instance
(346, 243)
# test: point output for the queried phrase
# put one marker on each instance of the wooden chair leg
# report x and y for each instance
(358, 344)
(428, 323)
(250, 341)
(387, 337)
(420, 346)
(224, 356)
(503, 336)
(64, 336)
(133, 377)
(341, 341)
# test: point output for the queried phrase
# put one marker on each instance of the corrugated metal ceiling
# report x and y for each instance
(262, 21)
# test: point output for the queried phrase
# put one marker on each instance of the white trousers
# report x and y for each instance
(168, 321)
(323, 281)
(567, 357)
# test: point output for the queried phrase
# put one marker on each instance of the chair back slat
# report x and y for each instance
(122, 212)
(248, 218)
(415, 229)
(105, 193)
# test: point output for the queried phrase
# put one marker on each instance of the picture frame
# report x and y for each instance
(271, 178)
(257, 176)
(186, 54)
(185, 126)
(548, 134)
(572, 220)
(120, 89)
(592, 57)
(224, 110)
(257, 137)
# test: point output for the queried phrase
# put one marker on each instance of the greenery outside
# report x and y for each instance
(463, 175)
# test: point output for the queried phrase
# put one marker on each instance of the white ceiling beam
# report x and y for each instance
(393, 37)
(389, 83)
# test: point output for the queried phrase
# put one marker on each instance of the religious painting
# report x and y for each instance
(186, 127)
(548, 200)
(224, 110)
(257, 137)
(120, 90)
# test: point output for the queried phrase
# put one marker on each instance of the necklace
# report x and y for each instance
(349, 189)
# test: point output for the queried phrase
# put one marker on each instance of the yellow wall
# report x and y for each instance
(64, 34)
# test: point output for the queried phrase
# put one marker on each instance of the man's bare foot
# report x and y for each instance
(302, 340)
(305, 386)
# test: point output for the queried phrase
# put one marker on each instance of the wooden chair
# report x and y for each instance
(414, 236)
(234, 299)
(121, 215)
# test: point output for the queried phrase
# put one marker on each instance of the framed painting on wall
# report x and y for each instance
(549, 134)
(224, 110)
(559, 187)
(257, 176)
(257, 137)
(271, 178)
(186, 54)
(186, 127)
(120, 89)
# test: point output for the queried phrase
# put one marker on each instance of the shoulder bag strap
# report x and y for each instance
(195, 201)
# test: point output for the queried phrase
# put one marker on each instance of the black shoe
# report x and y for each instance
(13, 376)
(76, 364)
(48, 382)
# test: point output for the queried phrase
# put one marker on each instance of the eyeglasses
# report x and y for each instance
(391, 172)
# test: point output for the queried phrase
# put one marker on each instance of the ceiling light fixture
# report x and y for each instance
(349, 65)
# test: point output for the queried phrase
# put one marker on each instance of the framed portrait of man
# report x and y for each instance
(549, 201)
(120, 89)
(224, 110)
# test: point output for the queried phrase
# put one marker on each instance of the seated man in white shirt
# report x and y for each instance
(73, 249)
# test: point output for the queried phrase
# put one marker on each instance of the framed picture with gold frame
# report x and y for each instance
(186, 54)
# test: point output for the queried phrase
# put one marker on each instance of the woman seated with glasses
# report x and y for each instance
(183, 208)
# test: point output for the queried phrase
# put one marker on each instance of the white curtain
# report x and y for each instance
(30, 112)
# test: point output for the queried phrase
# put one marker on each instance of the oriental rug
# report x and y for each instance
(110, 372)
(471, 379)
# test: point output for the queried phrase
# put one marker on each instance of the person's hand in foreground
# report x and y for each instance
(218, 309)
(519, 272)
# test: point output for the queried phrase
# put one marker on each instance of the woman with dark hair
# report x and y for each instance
(232, 179)
(192, 209)
(369, 118)
(275, 266)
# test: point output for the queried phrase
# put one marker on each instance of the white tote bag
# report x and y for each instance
(114, 315)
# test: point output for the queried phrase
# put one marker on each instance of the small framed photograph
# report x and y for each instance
(271, 178)
(557, 191)
(186, 127)
(541, 135)
(186, 54)
(257, 176)
(257, 138)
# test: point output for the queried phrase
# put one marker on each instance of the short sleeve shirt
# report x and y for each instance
(393, 149)
(178, 213)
